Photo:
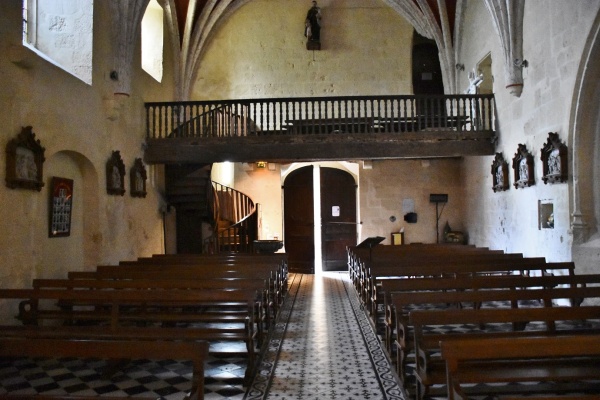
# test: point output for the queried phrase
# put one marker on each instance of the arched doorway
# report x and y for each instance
(320, 216)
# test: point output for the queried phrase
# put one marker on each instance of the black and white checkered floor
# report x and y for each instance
(302, 361)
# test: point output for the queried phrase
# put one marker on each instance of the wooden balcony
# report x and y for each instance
(320, 129)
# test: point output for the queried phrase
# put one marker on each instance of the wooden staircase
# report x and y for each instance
(236, 221)
(188, 189)
(211, 217)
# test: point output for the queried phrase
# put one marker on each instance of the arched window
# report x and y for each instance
(152, 40)
(61, 32)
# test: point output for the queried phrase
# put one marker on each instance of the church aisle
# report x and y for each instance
(324, 347)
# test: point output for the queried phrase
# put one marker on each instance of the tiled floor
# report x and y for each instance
(327, 349)
(323, 347)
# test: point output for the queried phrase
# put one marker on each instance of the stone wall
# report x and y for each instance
(79, 125)
(390, 186)
(260, 51)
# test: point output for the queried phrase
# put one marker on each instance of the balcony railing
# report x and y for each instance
(325, 115)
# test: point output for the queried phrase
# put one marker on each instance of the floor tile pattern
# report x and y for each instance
(328, 349)
(164, 379)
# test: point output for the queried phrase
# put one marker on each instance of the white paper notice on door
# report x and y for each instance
(335, 211)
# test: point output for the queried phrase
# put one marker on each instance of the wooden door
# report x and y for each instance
(298, 220)
(338, 217)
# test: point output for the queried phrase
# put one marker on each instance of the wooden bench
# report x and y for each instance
(431, 327)
(371, 273)
(195, 351)
(275, 274)
(362, 268)
(513, 282)
(207, 314)
(523, 266)
(404, 302)
(566, 361)
(357, 256)
(171, 282)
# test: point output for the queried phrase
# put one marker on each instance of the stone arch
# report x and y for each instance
(82, 249)
(584, 143)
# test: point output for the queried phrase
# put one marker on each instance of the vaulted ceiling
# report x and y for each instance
(191, 24)
(200, 6)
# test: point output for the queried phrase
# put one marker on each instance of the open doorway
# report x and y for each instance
(484, 69)
(317, 232)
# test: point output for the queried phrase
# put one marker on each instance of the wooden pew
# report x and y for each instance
(260, 285)
(358, 256)
(157, 281)
(514, 282)
(524, 266)
(195, 351)
(431, 327)
(566, 361)
(190, 272)
(358, 264)
(200, 310)
(276, 274)
(404, 302)
(369, 272)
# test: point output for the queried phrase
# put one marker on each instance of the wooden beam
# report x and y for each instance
(331, 147)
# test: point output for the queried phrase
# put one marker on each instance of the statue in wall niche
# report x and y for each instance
(312, 27)
(554, 163)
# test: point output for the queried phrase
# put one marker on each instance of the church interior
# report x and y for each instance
(326, 139)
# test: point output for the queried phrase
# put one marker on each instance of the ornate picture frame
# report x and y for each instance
(61, 205)
(25, 161)
(138, 176)
(115, 174)
(522, 164)
(499, 173)
(554, 160)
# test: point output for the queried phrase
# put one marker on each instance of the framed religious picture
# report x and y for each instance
(25, 161)
(554, 160)
(61, 204)
(115, 174)
(138, 178)
(500, 173)
(522, 164)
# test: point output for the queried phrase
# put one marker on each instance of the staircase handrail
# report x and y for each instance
(244, 213)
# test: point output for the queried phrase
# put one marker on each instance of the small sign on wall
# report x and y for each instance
(335, 211)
